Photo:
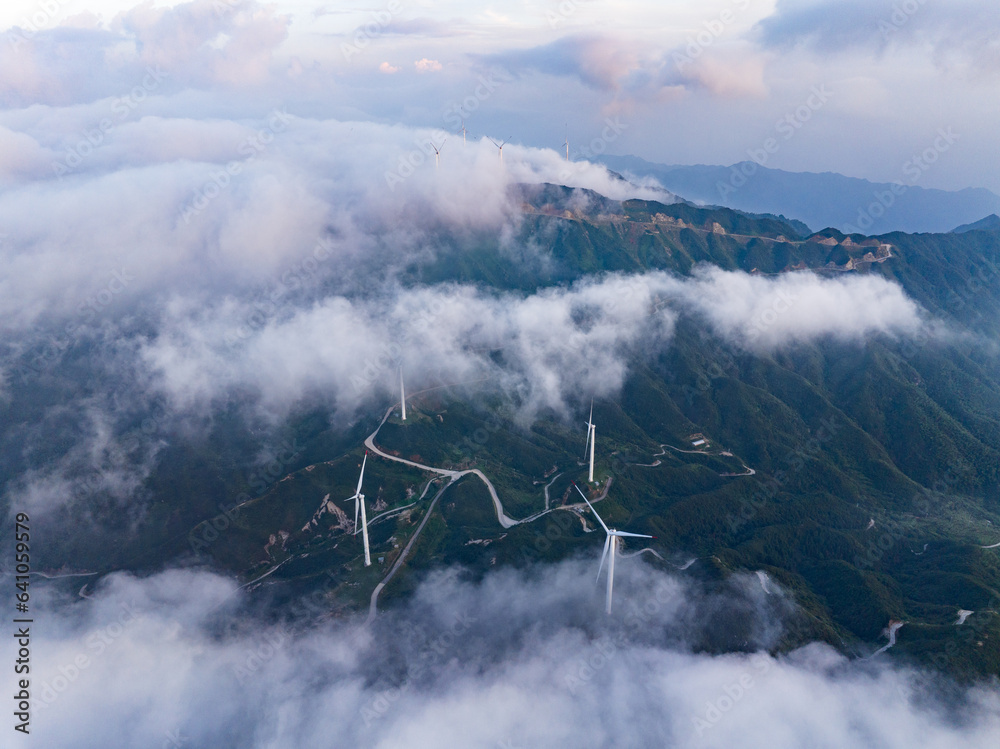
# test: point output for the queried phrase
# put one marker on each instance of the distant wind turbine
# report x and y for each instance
(591, 437)
(437, 153)
(359, 503)
(566, 143)
(610, 549)
(499, 145)
(402, 393)
(463, 132)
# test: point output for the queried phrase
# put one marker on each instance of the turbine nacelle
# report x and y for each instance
(610, 548)
(359, 505)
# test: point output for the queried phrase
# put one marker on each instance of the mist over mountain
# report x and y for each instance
(515, 659)
(327, 406)
(820, 200)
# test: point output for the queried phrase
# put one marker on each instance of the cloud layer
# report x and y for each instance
(186, 262)
(516, 660)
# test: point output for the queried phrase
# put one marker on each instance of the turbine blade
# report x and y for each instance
(362, 476)
(607, 544)
(590, 426)
(606, 530)
(632, 535)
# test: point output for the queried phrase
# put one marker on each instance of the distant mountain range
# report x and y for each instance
(820, 200)
(990, 223)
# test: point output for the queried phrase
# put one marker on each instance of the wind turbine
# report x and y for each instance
(499, 145)
(463, 132)
(359, 503)
(591, 437)
(402, 393)
(610, 546)
(437, 152)
(566, 143)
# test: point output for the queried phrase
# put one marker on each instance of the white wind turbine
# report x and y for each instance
(499, 145)
(463, 132)
(359, 503)
(437, 153)
(591, 437)
(566, 143)
(402, 393)
(610, 547)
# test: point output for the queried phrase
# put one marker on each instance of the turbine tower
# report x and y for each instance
(463, 132)
(402, 393)
(359, 503)
(610, 547)
(591, 437)
(566, 143)
(500, 146)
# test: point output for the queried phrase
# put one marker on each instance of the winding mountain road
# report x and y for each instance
(505, 520)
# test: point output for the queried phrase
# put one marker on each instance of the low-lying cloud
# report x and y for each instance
(554, 345)
(766, 313)
(519, 659)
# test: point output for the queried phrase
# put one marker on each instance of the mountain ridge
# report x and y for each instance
(818, 199)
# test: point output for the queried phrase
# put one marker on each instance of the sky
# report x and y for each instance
(684, 82)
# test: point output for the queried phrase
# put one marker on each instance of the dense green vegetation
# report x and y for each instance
(877, 465)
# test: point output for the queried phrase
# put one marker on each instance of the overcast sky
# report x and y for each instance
(689, 82)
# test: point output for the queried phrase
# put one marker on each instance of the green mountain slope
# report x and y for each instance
(864, 478)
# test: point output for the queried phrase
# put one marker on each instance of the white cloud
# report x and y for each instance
(518, 659)
(761, 312)
(552, 343)
(424, 65)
